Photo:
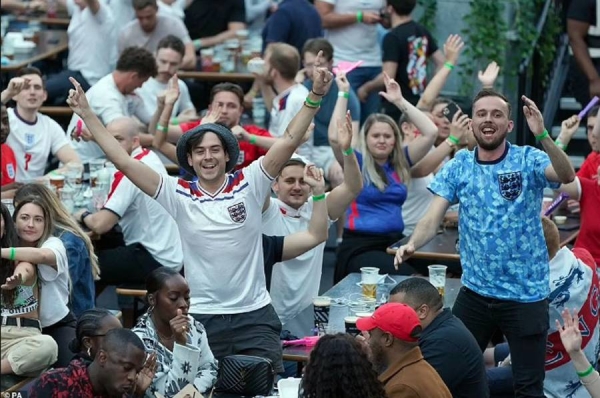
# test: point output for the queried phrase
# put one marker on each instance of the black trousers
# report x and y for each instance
(63, 332)
(525, 326)
(125, 265)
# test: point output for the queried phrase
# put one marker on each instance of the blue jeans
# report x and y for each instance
(357, 78)
(525, 326)
(58, 86)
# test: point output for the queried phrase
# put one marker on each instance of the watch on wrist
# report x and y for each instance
(83, 216)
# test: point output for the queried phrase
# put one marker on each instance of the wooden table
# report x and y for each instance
(50, 44)
(303, 323)
(443, 246)
(216, 76)
(46, 21)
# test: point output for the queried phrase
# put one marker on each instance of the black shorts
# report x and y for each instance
(250, 333)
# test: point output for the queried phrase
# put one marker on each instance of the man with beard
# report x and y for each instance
(392, 338)
(504, 259)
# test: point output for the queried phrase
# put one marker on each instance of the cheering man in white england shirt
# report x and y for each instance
(219, 220)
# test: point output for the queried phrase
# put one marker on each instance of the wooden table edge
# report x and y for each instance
(570, 238)
(295, 358)
(55, 51)
(428, 255)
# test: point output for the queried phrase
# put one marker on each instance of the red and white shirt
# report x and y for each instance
(248, 152)
(9, 165)
(33, 143)
(221, 235)
(143, 220)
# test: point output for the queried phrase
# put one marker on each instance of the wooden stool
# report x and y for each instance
(138, 296)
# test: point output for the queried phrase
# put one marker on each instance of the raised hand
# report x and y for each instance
(322, 77)
(460, 125)
(144, 378)
(172, 92)
(180, 326)
(569, 126)
(392, 92)
(345, 132)
(452, 48)
(16, 85)
(569, 331)
(403, 253)
(342, 82)
(77, 99)
(313, 176)
(12, 282)
(212, 116)
(534, 117)
(489, 75)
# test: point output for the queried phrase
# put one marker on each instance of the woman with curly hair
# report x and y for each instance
(25, 351)
(339, 368)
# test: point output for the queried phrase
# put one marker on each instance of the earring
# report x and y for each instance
(150, 309)
(89, 352)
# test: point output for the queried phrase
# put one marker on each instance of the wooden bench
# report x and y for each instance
(138, 296)
(56, 111)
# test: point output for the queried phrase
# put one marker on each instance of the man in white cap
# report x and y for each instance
(219, 220)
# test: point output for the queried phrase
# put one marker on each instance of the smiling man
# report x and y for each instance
(499, 187)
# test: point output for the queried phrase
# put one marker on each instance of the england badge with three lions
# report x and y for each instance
(510, 184)
(237, 212)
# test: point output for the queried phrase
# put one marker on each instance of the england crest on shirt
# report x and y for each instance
(29, 141)
(237, 212)
(10, 170)
(510, 185)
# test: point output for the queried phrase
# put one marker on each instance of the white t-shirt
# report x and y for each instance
(54, 285)
(221, 238)
(176, 9)
(122, 11)
(108, 103)
(418, 199)
(294, 282)
(152, 88)
(87, 31)
(142, 219)
(33, 143)
(132, 34)
(285, 107)
(357, 41)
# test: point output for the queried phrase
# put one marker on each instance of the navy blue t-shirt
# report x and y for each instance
(272, 254)
(294, 22)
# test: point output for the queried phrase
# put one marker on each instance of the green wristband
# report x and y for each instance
(197, 44)
(13, 253)
(317, 198)
(449, 65)
(542, 136)
(252, 139)
(175, 121)
(581, 374)
(348, 151)
(560, 145)
(453, 139)
(312, 104)
(359, 16)
(162, 128)
(343, 94)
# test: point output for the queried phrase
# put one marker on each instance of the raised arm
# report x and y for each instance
(568, 128)
(15, 86)
(332, 20)
(285, 146)
(339, 113)
(24, 274)
(561, 170)
(425, 230)
(301, 242)
(452, 50)
(161, 118)
(423, 143)
(342, 196)
(458, 129)
(33, 255)
(140, 174)
(489, 75)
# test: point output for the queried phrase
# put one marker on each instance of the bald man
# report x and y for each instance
(151, 236)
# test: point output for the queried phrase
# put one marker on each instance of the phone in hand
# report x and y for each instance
(450, 111)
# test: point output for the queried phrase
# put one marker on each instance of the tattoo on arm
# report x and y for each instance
(288, 134)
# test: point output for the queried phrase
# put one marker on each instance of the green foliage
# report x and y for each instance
(429, 12)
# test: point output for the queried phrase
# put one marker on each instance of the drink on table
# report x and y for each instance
(369, 279)
(57, 181)
(351, 329)
(322, 305)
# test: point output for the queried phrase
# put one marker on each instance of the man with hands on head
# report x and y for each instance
(504, 259)
(228, 292)
(296, 282)
(34, 136)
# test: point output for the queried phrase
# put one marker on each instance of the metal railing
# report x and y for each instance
(530, 79)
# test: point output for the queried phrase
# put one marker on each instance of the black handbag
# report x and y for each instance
(245, 375)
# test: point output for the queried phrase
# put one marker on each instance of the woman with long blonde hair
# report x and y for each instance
(35, 225)
(374, 220)
(83, 262)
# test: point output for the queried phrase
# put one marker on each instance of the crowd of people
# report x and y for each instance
(358, 138)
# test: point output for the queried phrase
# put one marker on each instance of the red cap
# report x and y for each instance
(397, 319)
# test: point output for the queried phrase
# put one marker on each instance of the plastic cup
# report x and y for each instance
(369, 278)
(437, 277)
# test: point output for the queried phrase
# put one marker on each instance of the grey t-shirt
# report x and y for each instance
(133, 35)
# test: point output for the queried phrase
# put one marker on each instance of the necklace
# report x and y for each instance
(165, 338)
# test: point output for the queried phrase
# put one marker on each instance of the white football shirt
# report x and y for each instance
(152, 88)
(285, 107)
(222, 239)
(143, 220)
(33, 143)
(295, 282)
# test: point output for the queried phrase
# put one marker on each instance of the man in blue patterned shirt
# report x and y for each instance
(503, 253)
